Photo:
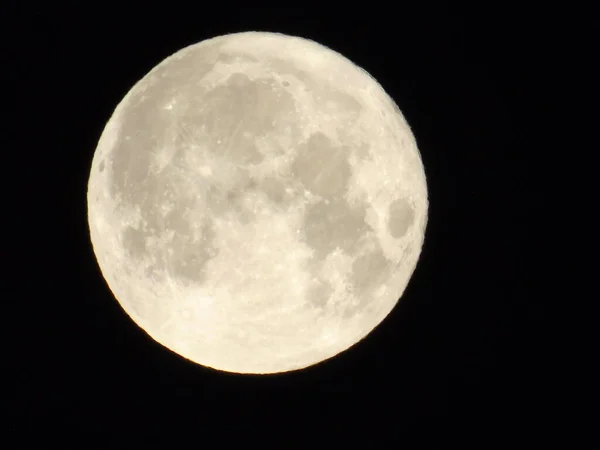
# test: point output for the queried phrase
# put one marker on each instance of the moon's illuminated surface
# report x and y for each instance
(257, 203)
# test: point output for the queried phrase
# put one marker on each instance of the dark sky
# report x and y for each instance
(463, 354)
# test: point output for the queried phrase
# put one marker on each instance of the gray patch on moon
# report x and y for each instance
(400, 217)
(230, 202)
(237, 112)
(319, 294)
(224, 121)
(188, 260)
(275, 190)
(322, 167)
(333, 225)
(327, 96)
(145, 117)
(185, 258)
(227, 111)
(216, 201)
(369, 271)
(174, 220)
(134, 243)
(163, 203)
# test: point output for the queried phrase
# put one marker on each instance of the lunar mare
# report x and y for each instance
(257, 203)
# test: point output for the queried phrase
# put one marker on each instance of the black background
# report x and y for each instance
(464, 354)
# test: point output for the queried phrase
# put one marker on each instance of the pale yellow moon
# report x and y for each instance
(257, 203)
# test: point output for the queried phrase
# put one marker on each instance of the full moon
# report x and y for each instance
(257, 203)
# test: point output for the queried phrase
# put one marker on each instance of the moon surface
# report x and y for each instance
(257, 203)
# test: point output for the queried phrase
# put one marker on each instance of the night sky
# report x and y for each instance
(464, 354)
